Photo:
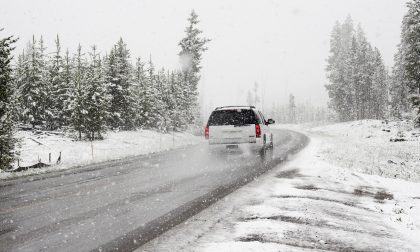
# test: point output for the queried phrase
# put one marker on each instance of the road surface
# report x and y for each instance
(120, 205)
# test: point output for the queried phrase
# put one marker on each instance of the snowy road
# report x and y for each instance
(306, 204)
(122, 204)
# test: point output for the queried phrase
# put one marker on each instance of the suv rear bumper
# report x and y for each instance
(232, 141)
(243, 147)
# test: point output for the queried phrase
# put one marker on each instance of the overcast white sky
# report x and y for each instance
(280, 44)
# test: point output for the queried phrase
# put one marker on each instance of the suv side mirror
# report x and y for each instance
(270, 121)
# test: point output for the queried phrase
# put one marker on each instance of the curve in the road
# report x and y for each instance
(120, 205)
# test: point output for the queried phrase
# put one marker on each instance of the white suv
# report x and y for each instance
(237, 125)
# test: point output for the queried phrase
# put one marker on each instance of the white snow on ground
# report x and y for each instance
(312, 203)
(116, 145)
(365, 146)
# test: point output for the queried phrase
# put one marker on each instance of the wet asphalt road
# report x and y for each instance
(120, 205)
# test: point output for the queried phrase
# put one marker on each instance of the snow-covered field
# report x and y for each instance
(334, 195)
(116, 145)
(367, 146)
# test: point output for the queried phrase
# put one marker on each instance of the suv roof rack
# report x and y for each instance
(253, 107)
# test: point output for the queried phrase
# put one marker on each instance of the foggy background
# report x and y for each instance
(282, 45)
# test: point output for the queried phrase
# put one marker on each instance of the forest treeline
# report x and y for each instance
(405, 79)
(87, 92)
(360, 87)
(300, 112)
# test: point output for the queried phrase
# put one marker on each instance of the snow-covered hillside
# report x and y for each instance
(38, 146)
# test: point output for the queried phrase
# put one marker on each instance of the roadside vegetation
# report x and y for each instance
(87, 93)
(360, 86)
(7, 118)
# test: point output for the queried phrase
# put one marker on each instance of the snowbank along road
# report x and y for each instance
(123, 204)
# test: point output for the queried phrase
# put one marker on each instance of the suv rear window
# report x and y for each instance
(232, 117)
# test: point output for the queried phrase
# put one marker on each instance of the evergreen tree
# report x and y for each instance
(355, 88)
(47, 103)
(337, 71)
(140, 94)
(59, 82)
(398, 88)
(7, 140)
(410, 53)
(174, 106)
(95, 98)
(119, 80)
(181, 96)
(32, 88)
(192, 48)
(164, 98)
(358, 86)
(19, 79)
(362, 76)
(379, 87)
(78, 93)
(153, 106)
(66, 90)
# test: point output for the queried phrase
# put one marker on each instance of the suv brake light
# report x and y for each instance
(257, 130)
(206, 132)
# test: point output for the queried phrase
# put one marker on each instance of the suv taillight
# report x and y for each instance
(257, 130)
(206, 132)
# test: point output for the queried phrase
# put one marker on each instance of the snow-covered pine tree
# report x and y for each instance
(58, 89)
(7, 118)
(95, 98)
(160, 99)
(152, 103)
(66, 94)
(399, 103)
(358, 83)
(32, 87)
(140, 94)
(164, 103)
(337, 71)
(110, 77)
(19, 78)
(410, 40)
(174, 102)
(365, 70)
(183, 100)
(379, 87)
(192, 47)
(78, 93)
(119, 79)
(47, 108)
(354, 91)
(346, 84)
